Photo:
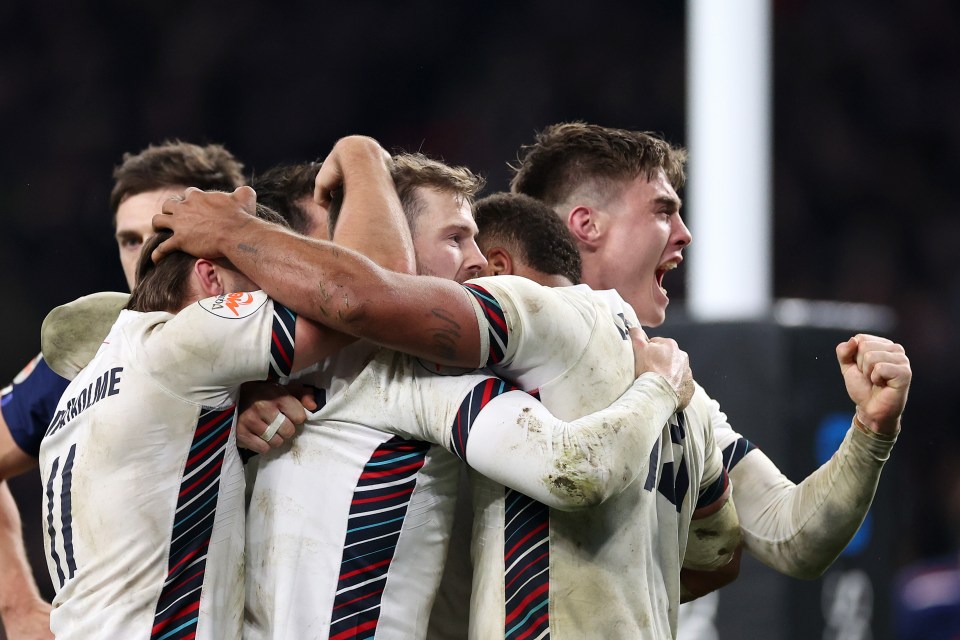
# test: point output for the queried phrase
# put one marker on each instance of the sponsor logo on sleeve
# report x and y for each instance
(235, 305)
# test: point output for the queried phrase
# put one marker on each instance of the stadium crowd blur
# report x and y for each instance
(866, 135)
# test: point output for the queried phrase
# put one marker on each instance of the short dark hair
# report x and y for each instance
(531, 229)
(171, 163)
(283, 187)
(162, 286)
(567, 156)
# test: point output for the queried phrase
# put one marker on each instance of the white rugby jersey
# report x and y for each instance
(607, 572)
(143, 485)
(348, 528)
(347, 525)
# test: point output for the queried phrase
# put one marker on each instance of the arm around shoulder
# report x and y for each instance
(574, 465)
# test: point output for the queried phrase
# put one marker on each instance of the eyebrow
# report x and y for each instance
(461, 226)
(672, 202)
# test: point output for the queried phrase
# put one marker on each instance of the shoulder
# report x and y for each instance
(504, 289)
(612, 300)
(232, 306)
(528, 297)
(216, 319)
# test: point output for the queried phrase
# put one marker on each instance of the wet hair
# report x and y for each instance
(175, 163)
(530, 230)
(162, 286)
(283, 189)
(566, 158)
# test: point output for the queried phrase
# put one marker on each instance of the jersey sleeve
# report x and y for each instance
(510, 437)
(221, 342)
(29, 402)
(529, 326)
(702, 414)
(800, 529)
(704, 421)
(714, 530)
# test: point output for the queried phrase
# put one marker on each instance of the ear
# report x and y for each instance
(586, 224)
(499, 261)
(207, 276)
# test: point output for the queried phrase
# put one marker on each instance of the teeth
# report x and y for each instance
(667, 266)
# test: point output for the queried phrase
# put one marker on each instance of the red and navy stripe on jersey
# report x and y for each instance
(526, 550)
(526, 558)
(714, 491)
(496, 321)
(470, 408)
(282, 340)
(377, 512)
(178, 608)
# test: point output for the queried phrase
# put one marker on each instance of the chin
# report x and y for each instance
(654, 318)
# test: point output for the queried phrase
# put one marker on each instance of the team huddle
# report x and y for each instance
(273, 434)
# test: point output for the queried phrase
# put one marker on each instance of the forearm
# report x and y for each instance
(578, 464)
(20, 602)
(13, 460)
(371, 219)
(430, 318)
(800, 530)
(319, 280)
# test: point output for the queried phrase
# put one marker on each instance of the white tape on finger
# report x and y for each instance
(273, 428)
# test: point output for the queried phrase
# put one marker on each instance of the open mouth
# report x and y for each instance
(662, 270)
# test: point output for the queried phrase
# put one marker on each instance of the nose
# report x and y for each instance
(474, 260)
(681, 234)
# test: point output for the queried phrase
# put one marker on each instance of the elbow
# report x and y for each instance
(810, 574)
(574, 489)
(801, 571)
(713, 540)
(801, 558)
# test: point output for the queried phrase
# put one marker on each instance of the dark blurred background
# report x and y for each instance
(866, 139)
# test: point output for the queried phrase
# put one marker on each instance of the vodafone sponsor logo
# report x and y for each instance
(235, 305)
(234, 301)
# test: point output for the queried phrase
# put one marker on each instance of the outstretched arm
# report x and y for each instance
(800, 529)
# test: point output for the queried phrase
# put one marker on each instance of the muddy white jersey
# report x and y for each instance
(349, 526)
(348, 523)
(607, 572)
(143, 485)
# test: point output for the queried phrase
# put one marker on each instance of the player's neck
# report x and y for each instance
(550, 280)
